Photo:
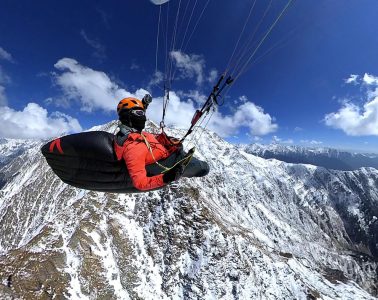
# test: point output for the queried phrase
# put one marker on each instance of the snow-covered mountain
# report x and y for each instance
(252, 229)
(11, 148)
(319, 156)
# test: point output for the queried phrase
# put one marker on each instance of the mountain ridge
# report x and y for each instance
(241, 232)
(319, 156)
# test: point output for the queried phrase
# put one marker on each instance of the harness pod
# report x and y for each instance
(87, 160)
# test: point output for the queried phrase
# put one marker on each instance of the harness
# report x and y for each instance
(121, 139)
(153, 156)
(185, 161)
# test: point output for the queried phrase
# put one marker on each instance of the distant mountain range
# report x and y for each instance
(322, 157)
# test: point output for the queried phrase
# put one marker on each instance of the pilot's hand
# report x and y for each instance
(173, 174)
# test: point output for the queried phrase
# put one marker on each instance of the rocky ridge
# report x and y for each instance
(252, 229)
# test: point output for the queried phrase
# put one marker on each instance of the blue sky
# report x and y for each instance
(314, 81)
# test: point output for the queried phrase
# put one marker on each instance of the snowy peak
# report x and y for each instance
(252, 229)
(9, 148)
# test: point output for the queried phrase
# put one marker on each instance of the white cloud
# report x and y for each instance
(190, 66)
(213, 76)
(4, 78)
(353, 78)
(180, 113)
(243, 99)
(157, 79)
(194, 95)
(311, 142)
(277, 140)
(253, 117)
(99, 49)
(5, 55)
(187, 66)
(93, 89)
(370, 79)
(60, 102)
(3, 98)
(34, 122)
(298, 129)
(247, 115)
(355, 121)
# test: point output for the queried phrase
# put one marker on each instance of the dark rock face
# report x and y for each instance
(2, 181)
(363, 229)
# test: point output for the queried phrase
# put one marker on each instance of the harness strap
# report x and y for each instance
(121, 139)
(184, 160)
(153, 156)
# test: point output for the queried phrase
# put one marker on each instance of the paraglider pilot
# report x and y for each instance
(139, 148)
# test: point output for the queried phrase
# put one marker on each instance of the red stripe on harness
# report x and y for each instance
(57, 144)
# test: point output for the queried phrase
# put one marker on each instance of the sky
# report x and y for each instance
(312, 80)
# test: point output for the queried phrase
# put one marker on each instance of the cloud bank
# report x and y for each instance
(94, 90)
(370, 80)
(247, 115)
(192, 66)
(34, 122)
(353, 119)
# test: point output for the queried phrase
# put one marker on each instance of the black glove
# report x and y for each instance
(173, 174)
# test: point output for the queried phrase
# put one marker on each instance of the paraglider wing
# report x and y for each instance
(159, 2)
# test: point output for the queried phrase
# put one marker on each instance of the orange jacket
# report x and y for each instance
(136, 156)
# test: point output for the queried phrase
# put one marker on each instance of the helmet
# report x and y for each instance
(128, 103)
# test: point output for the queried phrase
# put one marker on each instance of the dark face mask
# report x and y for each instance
(137, 119)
